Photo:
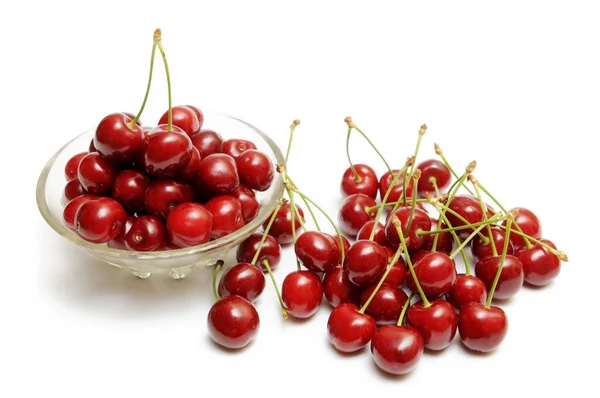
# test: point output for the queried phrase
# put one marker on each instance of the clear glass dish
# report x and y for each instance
(176, 263)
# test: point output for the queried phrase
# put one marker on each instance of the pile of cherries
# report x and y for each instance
(164, 187)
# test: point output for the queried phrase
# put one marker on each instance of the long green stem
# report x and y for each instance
(404, 309)
(398, 202)
(218, 266)
(450, 229)
(352, 125)
(560, 254)
(306, 203)
(464, 220)
(416, 176)
(383, 200)
(466, 241)
(164, 57)
(284, 313)
(139, 114)
(266, 232)
(456, 239)
(356, 176)
(381, 280)
(291, 138)
(484, 212)
(294, 210)
(422, 131)
(488, 303)
(439, 152)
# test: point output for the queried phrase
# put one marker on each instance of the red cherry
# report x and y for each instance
(480, 328)
(348, 329)
(529, 223)
(226, 215)
(397, 274)
(469, 208)
(338, 289)
(345, 244)
(317, 251)
(130, 189)
(386, 305)
(270, 251)
(365, 262)
(511, 276)
(481, 250)
(192, 169)
(247, 199)
(132, 116)
(199, 114)
(397, 349)
(379, 237)
(119, 241)
(367, 185)
(96, 174)
(162, 196)
(396, 192)
(432, 170)
(73, 206)
(235, 147)
(243, 280)
(207, 142)
(147, 233)
(73, 189)
(255, 170)
(233, 322)
(445, 242)
(418, 255)
(218, 174)
(467, 289)
(116, 140)
(436, 323)
(99, 221)
(73, 165)
(166, 153)
(281, 229)
(302, 293)
(436, 274)
(420, 222)
(540, 266)
(355, 212)
(188, 192)
(184, 117)
(189, 224)
(92, 147)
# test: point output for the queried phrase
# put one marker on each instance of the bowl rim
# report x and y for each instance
(58, 226)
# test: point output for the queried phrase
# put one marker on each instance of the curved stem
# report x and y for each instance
(561, 255)
(450, 229)
(352, 125)
(139, 114)
(422, 131)
(356, 176)
(284, 313)
(289, 147)
(466, 241)
(308, 206)
(381, 280)
(404, 309)
(398, 226)
(412, 208)
(266, 232)
(387, 194)
(218, 266)
(488, 303)
(433, 182)
(456, 239)
(439, 152)
(398, 202)
(164, 57)
(464, 220)
(294, 210)
(484, 212)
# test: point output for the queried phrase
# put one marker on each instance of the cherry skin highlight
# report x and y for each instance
(96, 174)
(354, 213)
(199, 114)
(162, 196)
(387, 304)
(166, 153)
(185, 118)
(235, 147)
(116, 141)
(365, 262)
(118, 242)
(207, 142)
(432, 170)
(189, 224)
(244, 280)
(130, 189)
(348, 329)
(437, 323)
(317, 251)
(397, 349)
(467, 289)
(270, 251)
(281, 229)
(227, 215)
(420, 222)
(436, 274)
(338, 289)
(73, 206)
(469, 208)
(511, 276)
(73, 165)
(302, 293)
(255, 170)
(529, 224)
(482, 329)
(367, 185)
(540, 266)
(248, 201)
(101, 220)
(146, 233)
(233, 322)
(218, 174)
(481, 250)
(379, 237)
(397, 189)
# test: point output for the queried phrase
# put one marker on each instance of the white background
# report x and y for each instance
(514, 85)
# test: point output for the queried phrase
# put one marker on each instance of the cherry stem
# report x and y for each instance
(403, 201)
(351, 125)
(139, 114)
(484, 212)
(469, 238)
(464, 220)
(451, 229)
(398, 226)
(398, 202)
(488, 303)
(404, 309)
(294, 210)
(439, 152)
(387, 194)
(356, 176)
(416, 176)
(560, 254)
(456, 239)
(422, 131)
(218, 266)
(266, 232)
(289, 147)
(157, 40)
(381, 280)
(433, 182)
(306, 203)
(284, 313)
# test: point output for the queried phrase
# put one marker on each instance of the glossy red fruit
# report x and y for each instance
(397, 274)
(116, 140)
(482, 329)
(199, 114)
(235, 147)
(101, 220)
(227, 215)
(365, 262)
(166, 153)
(248, 201)
(437, 323)
(270, 251)
(397, 349)
(218, 174)
(188, 192)
(338, 289)
(207, 142)
(189, 224)
(418, 255)
(432, 170)
(243, 279)
(467, 289)
(367, 185)
(386, 305)
(343, 246)
(469, 208)
(162, 196)
(529, 223)
(192, 169)
(147, 233)
(397, 189)
(130, 189)
(445, 241)
(73, 189)
(119, 241)
(481, 250)
(73, 165)
(348, 329)
(73, 206)
(355, 211)
(436, 274)
(281, 229)
(255, 170)
(96, 174)
(233, 322)
(302, 293)
(317, 251)
(184, 117)
(379, 237)
(511, 276)
(420, 222)
(540, 266)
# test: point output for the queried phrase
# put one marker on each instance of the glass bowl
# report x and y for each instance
(176, 263)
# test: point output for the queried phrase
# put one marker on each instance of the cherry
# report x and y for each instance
(192, 169)
(529, 224)
(511, 276)
(349, 330)
(281, 229)
(255, 170)
(387, 303)
(96, 174)
(302, 293)
(418, 255)
(73, 206)
(115, 139)
(207, 142)
(434, 173)
(233, 322)
(397, 189)
(344, 248)
(420, 222)
(235, 147)
(73, 165)
(356, 210)
(436, 273)
(218, 174)
(101, 220)
(92, 147)
(243, 279)
(166, 153)
(469, 208)
(188, 192)
(226, 215)
(317, 251)
(365, 262)
(146, 233)
(466, 289)
(189, 224)
(130, 189)
(270, 251)
(436, 323)
(482, 328)
(119, 241)
(73, 189)
(162, 196)
(338, 289)
(445, 243)
(397, 274)
(199, 114)
(540, 266)
(185, 118)
(482, 250)
(397, 349)
(248, 201)
(379, 237)
(367, 185)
